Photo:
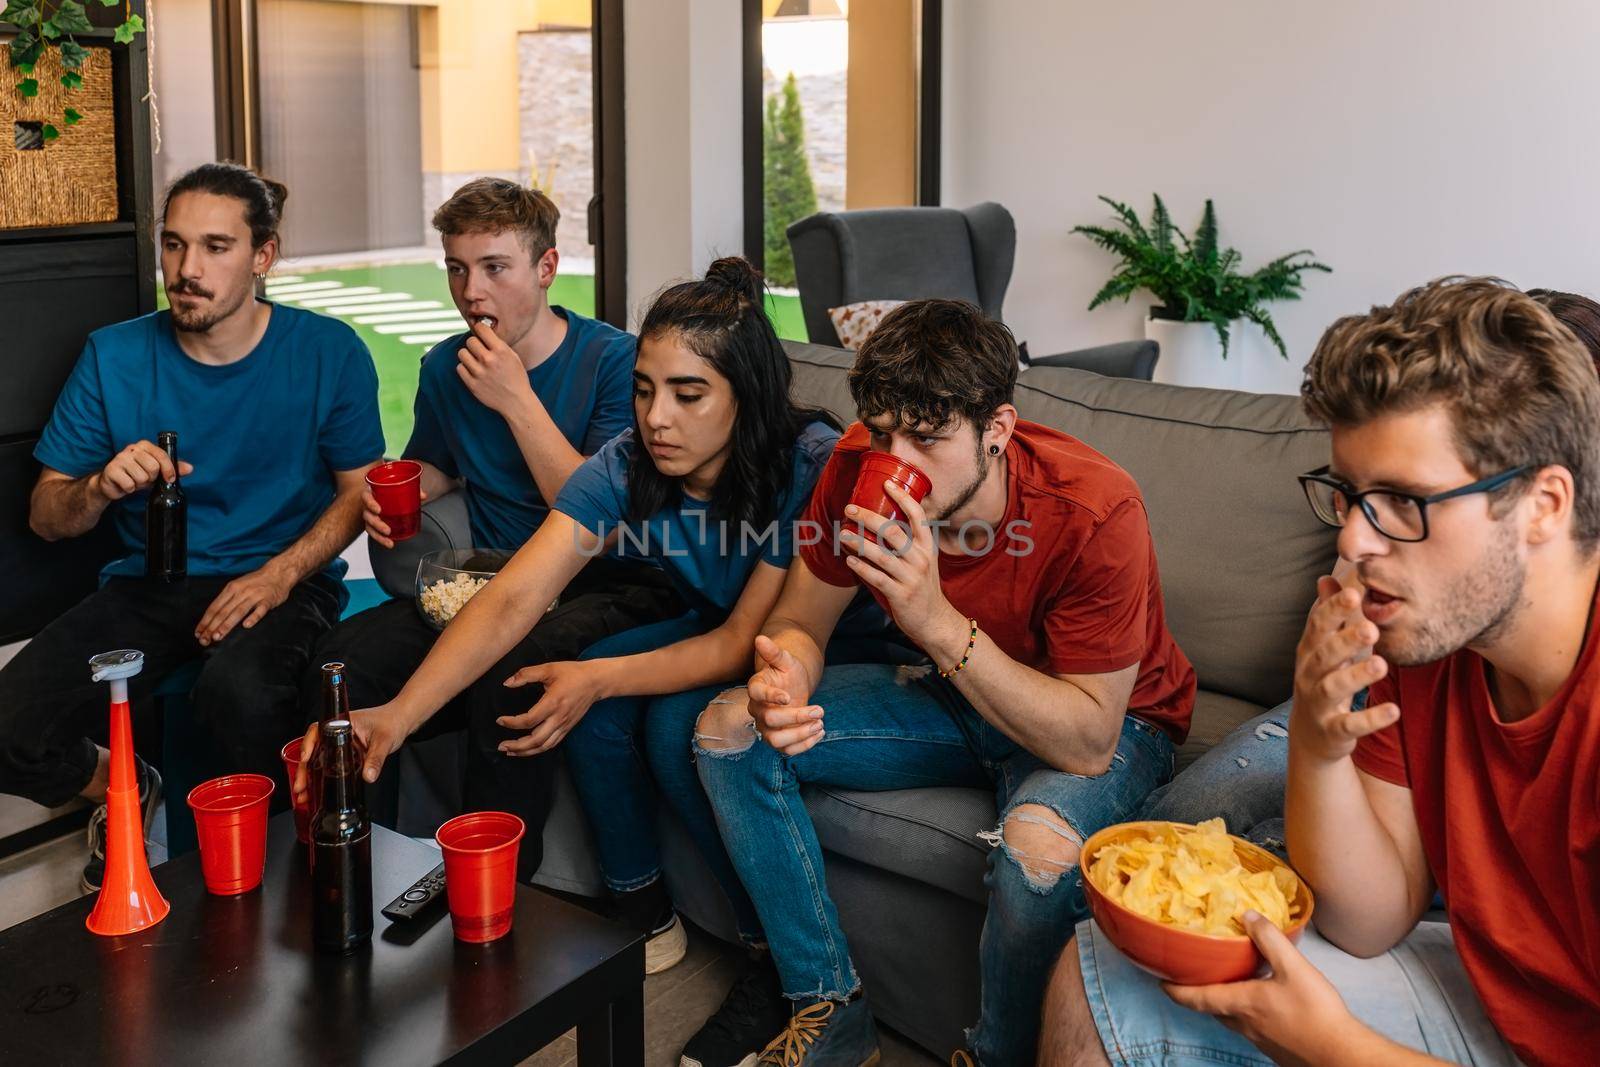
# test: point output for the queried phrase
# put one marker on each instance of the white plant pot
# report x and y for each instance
(1191, 354)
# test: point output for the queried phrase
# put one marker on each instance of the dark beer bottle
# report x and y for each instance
(166, 521)
(335, 694)
(335, 706)
(341, 845)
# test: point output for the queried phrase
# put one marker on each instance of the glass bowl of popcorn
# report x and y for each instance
(449, 577)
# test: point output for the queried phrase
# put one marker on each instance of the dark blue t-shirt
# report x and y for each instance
(709, 560)
(586, 386)
(265, 433)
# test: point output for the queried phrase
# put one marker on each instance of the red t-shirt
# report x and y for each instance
(1069, 584)
(1510, 821)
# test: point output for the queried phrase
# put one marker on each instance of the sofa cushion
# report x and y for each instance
(930, 835)
(1238, 548)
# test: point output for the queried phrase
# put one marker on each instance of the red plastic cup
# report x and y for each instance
(302, 808)
(480, 872)
(397, 485)
(870, 495)
(230, 818)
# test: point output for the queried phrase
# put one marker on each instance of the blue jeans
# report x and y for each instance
(1240, 779)
(903, 728)
(624, 750)
(1416, 994)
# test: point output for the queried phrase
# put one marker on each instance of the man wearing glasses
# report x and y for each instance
(1465, 484)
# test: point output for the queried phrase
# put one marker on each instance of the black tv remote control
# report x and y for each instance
(419, 898)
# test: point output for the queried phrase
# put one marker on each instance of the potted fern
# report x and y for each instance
(1203, 299)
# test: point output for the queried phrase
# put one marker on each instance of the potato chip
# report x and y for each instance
(1192, 877)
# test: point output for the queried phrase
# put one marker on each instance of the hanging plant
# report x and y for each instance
(45, 24)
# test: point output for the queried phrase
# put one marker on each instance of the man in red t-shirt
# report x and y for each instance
(1028, 579)
(1466, 486)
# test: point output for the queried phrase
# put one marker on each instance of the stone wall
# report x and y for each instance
(555, 98)
(822, 104)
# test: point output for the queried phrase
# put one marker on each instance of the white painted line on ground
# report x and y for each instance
(283, 279)
(302, 287)
(353, 295)
(443, 316)
(426, 338)
(412, 327)
(357, 304)
(415, 305)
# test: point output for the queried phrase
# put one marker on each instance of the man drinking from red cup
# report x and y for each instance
(1027, 576)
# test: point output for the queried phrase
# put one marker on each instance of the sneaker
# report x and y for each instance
(827, 1033)
(752, 1012)
(94, 871)
(667, 946)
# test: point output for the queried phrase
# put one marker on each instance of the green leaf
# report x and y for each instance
(109, 3)
(72, 80)
(50, 132)
(48, 29)
(72, 116)
(23, 13)
(28, 87)
(25, 49)
(70, 17)
(73, 54)
(126, 32)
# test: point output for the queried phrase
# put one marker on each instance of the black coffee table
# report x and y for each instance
(234, 981)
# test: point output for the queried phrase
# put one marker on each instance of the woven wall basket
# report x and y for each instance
(73, 178)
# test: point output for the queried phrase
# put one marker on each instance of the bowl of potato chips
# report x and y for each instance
(1173, 896)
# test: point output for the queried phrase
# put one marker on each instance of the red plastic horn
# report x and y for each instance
(129, 901)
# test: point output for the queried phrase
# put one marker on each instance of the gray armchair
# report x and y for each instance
(913, 253)
(901, 253)
(1124, 359)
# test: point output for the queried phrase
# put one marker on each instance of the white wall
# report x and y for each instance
(685, 151)
(185, 100)
(1401, 141)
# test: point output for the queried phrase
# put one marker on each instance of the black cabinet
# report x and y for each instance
(57, 285)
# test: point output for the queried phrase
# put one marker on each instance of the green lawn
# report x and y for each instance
(397, 360)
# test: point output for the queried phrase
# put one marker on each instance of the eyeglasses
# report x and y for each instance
(1396, 515)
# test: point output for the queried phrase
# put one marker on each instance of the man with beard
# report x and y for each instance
(276, 414)
(1028, 577)
(1465, 484)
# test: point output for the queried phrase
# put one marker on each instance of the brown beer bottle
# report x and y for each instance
(166, 521)
(335, 693)
(341, 845)
(335, 705)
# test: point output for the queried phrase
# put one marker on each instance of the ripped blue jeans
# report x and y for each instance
(892, 727)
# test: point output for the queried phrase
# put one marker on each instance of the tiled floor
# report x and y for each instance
(676, 1001)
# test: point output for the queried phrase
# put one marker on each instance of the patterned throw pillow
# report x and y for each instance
(854, 323)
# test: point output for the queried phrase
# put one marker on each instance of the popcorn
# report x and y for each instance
(445, 597)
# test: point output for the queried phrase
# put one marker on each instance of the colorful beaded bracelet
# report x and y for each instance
(972, 641)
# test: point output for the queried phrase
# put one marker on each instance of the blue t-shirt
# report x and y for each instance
(708, 560)
(586, 386)
(265, 433)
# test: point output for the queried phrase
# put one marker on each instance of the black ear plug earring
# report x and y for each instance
(994, 450)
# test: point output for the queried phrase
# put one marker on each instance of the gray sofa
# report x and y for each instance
(1239, 553)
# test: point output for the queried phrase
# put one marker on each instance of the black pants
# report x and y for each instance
(382, 646)
(246, 701)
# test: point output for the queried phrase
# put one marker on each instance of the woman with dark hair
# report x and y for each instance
(708, 483)
(1577, 313)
